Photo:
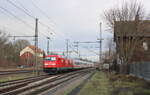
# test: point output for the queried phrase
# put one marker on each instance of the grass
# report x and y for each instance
(97, 85)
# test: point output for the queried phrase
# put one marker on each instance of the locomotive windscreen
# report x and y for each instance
(50, 58)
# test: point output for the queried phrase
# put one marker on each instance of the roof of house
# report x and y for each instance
(31, 49)
(34, 48)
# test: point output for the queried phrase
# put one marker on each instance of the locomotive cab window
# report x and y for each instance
(50, 58)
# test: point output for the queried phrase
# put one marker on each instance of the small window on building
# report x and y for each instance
(145, 45)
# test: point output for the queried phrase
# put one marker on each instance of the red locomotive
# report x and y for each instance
(56, 63)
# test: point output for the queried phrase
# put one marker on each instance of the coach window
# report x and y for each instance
(50, 58)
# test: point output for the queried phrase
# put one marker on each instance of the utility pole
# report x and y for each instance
(77, 46)
(100, 44)
(36, 46)
(48, 38)
(14, 38)
(67, 47)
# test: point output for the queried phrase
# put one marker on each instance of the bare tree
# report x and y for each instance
(6, 51)
(9, 52)
(110, 53)
(3, 42)
(111, 46)
(18, 46)
(129, 27)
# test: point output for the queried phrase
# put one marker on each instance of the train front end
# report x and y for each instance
(50, 63)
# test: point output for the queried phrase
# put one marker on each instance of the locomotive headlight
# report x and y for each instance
(53, 64)
(46, 64)
(49, 64)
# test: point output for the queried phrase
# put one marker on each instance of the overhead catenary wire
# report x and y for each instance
(20, 9)
(17, 1)
(89, 50)
(71, 46)
(2, 8)
(45, 25)
(27, 13)
(10, 13)
(32, 28)
(7, 29)
(42, 12)
(25, 9)
(40, 22)
(92, 51)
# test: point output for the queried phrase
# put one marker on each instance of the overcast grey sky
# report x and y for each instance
(77, 20)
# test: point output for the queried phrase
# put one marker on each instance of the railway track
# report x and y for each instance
(11, 82)
(38, 85)
(15, 72)
(15, 84)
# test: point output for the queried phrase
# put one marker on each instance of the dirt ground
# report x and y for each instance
(128, 85)
(103, 83)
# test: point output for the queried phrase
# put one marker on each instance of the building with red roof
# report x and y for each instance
(27, 55)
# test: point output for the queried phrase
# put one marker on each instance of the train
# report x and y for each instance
(57, 63)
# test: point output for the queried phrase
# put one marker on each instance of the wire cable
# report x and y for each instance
(90, 50)
(20, 9)
(40, 22)
(43, 13)
(16, 17)
(21, 5)
(23, 10)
